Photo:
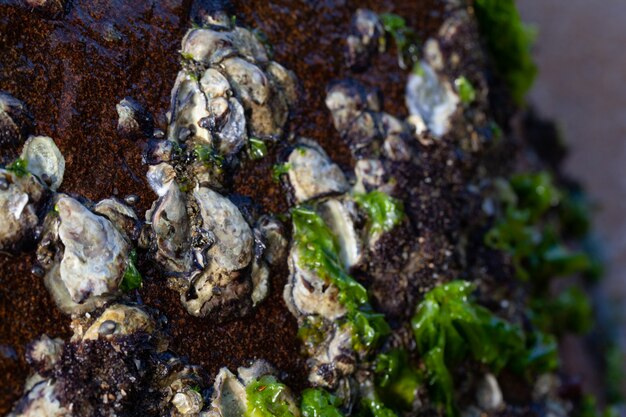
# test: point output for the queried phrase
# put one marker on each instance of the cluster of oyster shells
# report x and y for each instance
(214, 253)
(83, 247)
(228, 91)
(140, 370)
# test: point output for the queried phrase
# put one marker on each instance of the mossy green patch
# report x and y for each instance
(278, 170)
(569, 312)
(383, 211)
(525, 232)
(509, 42)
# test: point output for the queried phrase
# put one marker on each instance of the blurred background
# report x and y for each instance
(582, 84)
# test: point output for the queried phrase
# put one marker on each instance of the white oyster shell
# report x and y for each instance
(41, 401)
(431, 98)
(122, 216)
(188, 107)
(44, 160)
(93, 260)
(160, 177)
(260, 282)
(18, 207)
(233, 135)
(339, 216)
(233, 237)
(214, 84)
(170, 223)
(307, 294)
(284, 80)
(44, 352)
(207, 46)
(229, 397)
(312, 174)
(248, 81)
(214, 287)
(229, 391)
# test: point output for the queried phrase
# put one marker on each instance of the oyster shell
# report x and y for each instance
(432, 98)
(284, 81)
(230, 398)
(222, 220)
(188, 107)
(84, 254)
(43, 353)
(340, 216)
(333, 359)
(122, 216)
(20, 199)
(207, 46)
(41, 401)
(312, 174)
(134, 121)
(118, 319)
(364, 40)
(271, 233)
(249, 46)
(170, 226)
(122, 359)
(247, 80)
(307, 294)
(214, 84)
(44, 160)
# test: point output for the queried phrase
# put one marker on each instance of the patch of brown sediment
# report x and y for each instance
(71, 72)
(26, 311)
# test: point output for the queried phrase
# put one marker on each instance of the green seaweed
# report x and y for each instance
(466, 90)
(257, 149)
(265, 398)
(132, 277)
(19, 167)
(406, 40)
(449, 327)
(570, 311)
(208, 155)
(316, 402)
(397, 380)
(318, 251)
(383, 211)
(525, 233)
(278, 170)
(509, 41)
(373, 407)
